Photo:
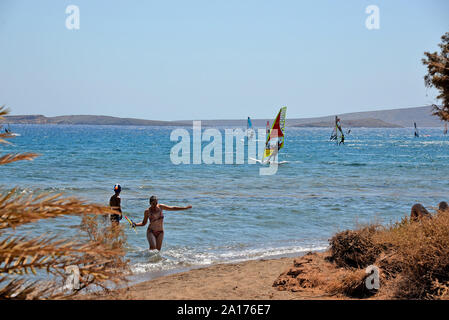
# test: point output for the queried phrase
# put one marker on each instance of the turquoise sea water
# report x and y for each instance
(237, 214)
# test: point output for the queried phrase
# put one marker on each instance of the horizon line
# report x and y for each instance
(235, 119)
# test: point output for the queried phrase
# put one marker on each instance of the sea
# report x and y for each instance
(238, 214)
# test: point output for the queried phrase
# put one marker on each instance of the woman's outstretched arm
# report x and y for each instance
(173, 208)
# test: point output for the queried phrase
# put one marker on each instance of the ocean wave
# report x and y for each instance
(183, 257)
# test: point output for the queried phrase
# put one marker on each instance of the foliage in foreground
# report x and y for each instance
(438, 76)
(97, 251)
(413, 256)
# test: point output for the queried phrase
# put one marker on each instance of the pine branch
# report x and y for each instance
(16, 210)
(4, 136)
(9, 158)
(3, 111)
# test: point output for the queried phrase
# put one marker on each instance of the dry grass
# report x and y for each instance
(419, 252)
(354, 249)
(349, 283)
(412, 257)
(97, 251)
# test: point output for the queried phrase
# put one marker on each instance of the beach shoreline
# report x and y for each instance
(140, 277)
(246, 280)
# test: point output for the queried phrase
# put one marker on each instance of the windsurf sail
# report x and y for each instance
(445, 128)
(337, 133)
(416, 130)
(249, 129)
(275, 136)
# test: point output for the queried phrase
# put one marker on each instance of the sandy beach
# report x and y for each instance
(249, 280)
(283, 152)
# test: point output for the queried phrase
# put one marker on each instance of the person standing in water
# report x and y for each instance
(114, 203)
(155, 231)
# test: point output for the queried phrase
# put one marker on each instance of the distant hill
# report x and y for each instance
(392, 118)
(87, 120)
(372, 119)
(399, 117)
(361, 123)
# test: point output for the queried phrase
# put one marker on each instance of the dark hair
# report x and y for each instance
(153, 198)
(442, 206)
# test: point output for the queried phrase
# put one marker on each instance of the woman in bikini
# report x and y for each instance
(155, 231)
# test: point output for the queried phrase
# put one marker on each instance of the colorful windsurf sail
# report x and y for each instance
(276, 135)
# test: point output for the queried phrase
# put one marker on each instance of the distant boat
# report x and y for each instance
(416, 130)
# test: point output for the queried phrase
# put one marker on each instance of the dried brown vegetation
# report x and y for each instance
(97, 251)
(412, 256)
(354, 249)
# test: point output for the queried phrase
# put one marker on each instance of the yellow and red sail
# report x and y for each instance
(276, 134)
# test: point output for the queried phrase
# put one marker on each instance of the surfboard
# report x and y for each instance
(269, 161)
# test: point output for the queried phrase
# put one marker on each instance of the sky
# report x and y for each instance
(210, 59)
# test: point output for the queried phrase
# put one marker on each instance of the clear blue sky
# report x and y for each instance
(227, 59)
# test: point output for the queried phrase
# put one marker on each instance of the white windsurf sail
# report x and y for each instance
(337, 133)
